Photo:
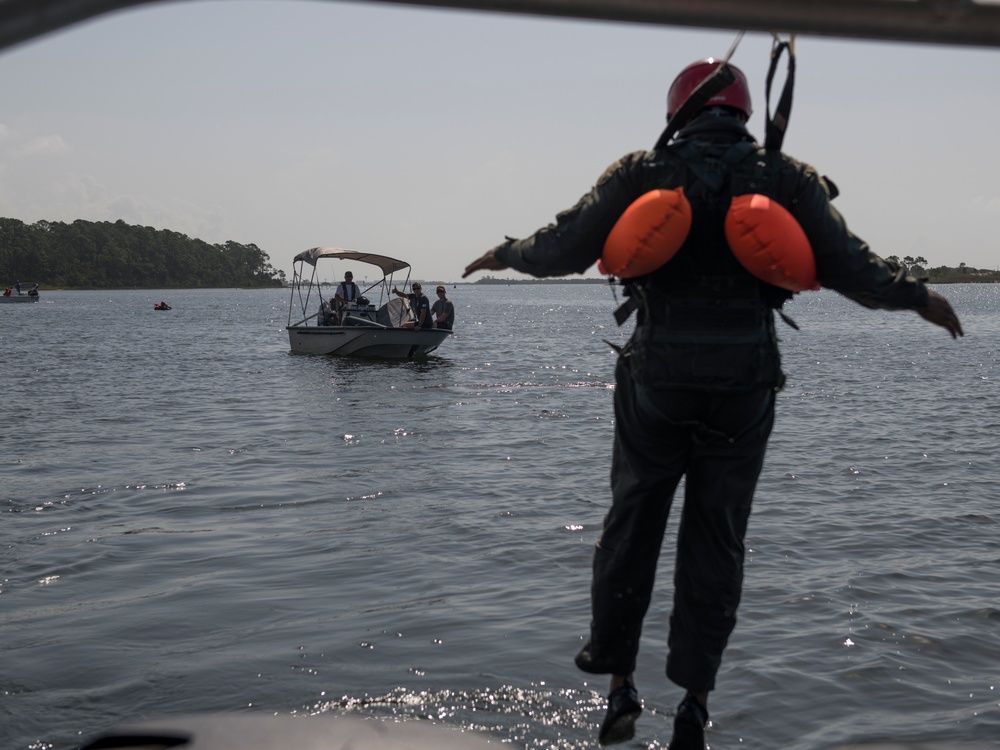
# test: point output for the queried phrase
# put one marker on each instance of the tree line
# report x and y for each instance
(961, 274)
(116, 255)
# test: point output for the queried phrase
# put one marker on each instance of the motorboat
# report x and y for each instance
(365, 327)
(31, 296)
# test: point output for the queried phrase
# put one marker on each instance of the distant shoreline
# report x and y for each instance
(979, 277)
(494, 282)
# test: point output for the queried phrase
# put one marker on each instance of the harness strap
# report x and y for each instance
(625, 310)
(776, 125)
(712, 178)
(720, 78)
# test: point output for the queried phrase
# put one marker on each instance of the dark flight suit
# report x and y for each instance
(696, 383)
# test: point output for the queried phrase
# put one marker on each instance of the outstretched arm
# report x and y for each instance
(574, 242)
(486, 262)
(940, 312)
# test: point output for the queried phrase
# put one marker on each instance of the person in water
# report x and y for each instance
(696, 383)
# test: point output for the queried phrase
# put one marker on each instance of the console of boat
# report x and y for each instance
(360, 328)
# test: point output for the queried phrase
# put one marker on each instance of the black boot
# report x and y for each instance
(689, 726)
(623, 709)
(585, 661)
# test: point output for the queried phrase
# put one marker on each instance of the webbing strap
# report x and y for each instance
(721, 77)
(776, 125)
(625, 309)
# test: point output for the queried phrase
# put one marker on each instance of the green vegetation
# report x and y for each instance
(106, 255)
(963, 274)
(116, 255)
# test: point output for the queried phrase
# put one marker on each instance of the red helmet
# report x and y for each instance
(735, 95)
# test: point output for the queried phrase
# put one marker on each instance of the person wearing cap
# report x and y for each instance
(443, 310)
(420, 306)
(697, 381)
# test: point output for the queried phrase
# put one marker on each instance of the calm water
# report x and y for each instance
(196, 520)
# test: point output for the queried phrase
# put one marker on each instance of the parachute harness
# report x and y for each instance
(775, 127)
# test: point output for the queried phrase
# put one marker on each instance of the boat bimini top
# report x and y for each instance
(388, 265)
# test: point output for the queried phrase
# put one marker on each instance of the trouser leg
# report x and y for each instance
(726, 460)
(647, 463)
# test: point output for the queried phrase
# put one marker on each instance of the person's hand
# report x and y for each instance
(940, 312)
(486, 262)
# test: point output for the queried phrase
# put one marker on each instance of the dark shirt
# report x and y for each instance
(418, 303)
(444, 307)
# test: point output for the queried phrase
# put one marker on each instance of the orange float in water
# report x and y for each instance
(647, 235)
(769, 243)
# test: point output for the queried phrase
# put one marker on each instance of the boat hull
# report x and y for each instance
(359, 341)
(19, 298)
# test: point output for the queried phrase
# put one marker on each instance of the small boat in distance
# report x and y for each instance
(162, 306)
(358, 328)
(10, 295)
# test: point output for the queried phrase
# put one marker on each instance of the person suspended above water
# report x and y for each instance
(697, 381)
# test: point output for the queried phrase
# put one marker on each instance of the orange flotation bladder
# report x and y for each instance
(647, 235)
(769, 243)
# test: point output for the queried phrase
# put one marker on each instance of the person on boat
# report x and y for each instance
(697, 381)
(347, 291)
(34, 291)
(6, 292)
(420, 306)
(17, 288)
(327, 316)
(443, 311)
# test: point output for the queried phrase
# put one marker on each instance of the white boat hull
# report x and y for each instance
(361, 341)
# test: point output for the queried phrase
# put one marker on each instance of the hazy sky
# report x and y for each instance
(428, 135)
